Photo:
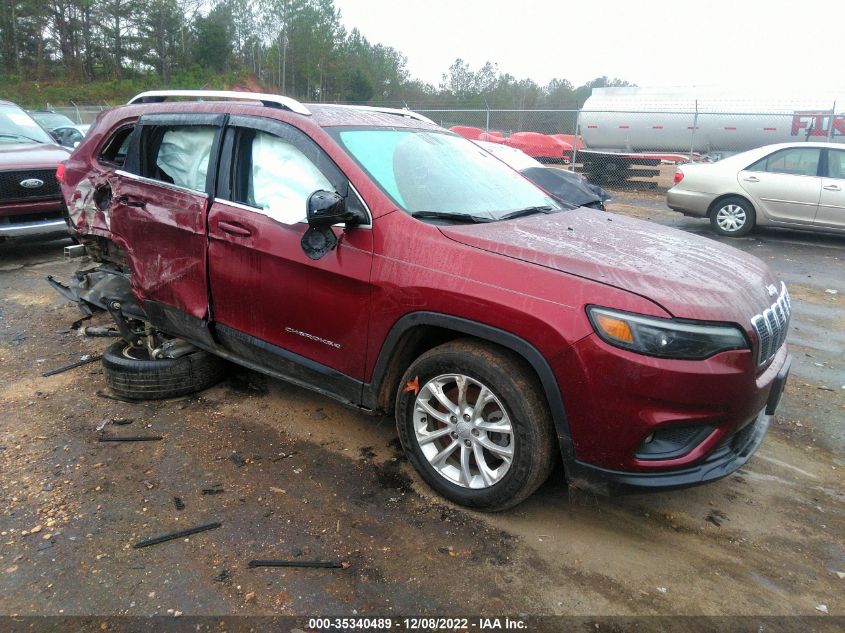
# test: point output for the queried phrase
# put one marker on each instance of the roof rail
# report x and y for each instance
(271, 101)
(410, 114)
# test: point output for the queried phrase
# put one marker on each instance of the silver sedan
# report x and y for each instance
(793, 185)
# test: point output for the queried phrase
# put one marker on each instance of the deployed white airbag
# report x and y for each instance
(183, 155)
(283, 178)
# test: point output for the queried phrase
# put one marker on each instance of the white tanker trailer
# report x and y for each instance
(624, 128)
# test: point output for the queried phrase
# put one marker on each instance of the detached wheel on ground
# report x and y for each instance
(131, 373)
(475, 425)
(733, 217)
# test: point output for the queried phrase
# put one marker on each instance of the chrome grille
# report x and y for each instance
(771, 327)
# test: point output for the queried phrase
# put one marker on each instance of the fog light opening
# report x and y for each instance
(671, 442)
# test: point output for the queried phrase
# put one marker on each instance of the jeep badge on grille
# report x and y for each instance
(32, 183)
(773, 290)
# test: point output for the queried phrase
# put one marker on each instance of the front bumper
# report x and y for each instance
(31, 229)
(728, 457)
(730, 452)
(32, 218)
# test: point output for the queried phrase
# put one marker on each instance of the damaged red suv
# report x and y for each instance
(383, 261)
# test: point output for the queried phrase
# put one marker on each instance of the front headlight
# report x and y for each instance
(666, 338)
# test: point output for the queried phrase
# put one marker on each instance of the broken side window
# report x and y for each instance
(180, 156)
(276, 177)
(116, 147)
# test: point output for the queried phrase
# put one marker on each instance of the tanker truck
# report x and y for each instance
(627, 129)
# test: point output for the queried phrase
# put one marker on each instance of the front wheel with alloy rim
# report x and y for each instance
(733, 217)
(474, 423)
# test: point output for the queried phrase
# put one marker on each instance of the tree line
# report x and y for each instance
(297, 47)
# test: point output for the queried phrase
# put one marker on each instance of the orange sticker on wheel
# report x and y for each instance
(413, 385)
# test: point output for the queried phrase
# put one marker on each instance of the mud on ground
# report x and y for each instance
(305, 478)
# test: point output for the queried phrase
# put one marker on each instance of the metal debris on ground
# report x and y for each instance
(84, 360)
(223, 576)
(216, 489)
(130, 438)
(299, 563)
(175, 535)
(78, 323)
(118, 421)
(180, 505)
(97, 331)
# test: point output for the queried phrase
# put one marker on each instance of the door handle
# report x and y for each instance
(129, 202)
(751, 179)
(233, 228)
(832, 187)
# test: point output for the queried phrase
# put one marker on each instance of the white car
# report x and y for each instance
(60, 127)
(792, 185)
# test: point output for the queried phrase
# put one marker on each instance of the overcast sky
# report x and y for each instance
(757, 44)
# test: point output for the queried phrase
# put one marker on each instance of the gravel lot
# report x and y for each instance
(305, 478)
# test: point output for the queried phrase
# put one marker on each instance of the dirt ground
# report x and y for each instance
(305, 478)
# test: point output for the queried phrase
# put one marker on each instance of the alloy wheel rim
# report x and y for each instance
(731, 218)
(464, 431)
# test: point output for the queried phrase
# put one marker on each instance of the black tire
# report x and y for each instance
(723, 207)
(131, 373)
(511, 380)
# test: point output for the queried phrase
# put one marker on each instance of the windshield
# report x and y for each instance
(16, 126)
(425, 171)
(52, 120)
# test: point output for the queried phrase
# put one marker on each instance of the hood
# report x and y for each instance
(689, 276)
(31, 155)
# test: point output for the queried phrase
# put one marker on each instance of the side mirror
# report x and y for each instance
(326, 208)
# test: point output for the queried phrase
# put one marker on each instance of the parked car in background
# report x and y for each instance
(546, 148)
(790, 185)
(564, 185)
(61, 128)
(423, 277)
(30, 199)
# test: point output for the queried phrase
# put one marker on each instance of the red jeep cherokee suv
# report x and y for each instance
(383, 261)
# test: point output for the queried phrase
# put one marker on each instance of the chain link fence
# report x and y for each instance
(80, 115)
(619, 149)
(637, 149)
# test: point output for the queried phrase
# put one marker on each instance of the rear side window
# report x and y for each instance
(796, 161)
(178, 155)
(115, 149)
(836, 164)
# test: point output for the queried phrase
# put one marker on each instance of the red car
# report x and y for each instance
(30, 199)
(545, 148)
(388, 263)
